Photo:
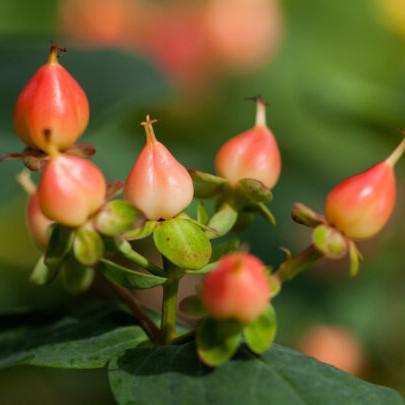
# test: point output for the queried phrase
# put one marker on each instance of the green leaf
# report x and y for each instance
(85, 338)
(128, 278)
(205, 184)
(60, 244)
(355, 258)
(76, 277)
(217, 341)
(183, 243)
(254, 190)
(116, 217)
(42, 274)
(222, 221)
(88, 247)
(202, 214)
(142, 232)
(260, 334)
(329, 241)
(175, 375)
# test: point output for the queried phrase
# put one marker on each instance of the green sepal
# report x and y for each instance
(114, 189)
(228, 246)
(205, 184)
(222, 221)
(217, 341)
(253, 191)
(202, 213)
(204, 270)
(128, 278)
(192, 306)
(88, 247)
(355, 258)
(141, 232)
(329, 241)
(116, 217)
(246, 217)
(60, 244)
(260, 333)
(275, 285)
(76, 277)
(303, 215)
(266, 213)
(183, 243)
(42, 274)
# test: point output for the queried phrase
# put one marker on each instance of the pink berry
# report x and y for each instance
(71, 190)
(38, 223)
(158, 184)
(51, 102)
(254, 154)
(237, 288)
(361, 205)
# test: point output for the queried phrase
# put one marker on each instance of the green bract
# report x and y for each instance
(183, 243)
(116, 217)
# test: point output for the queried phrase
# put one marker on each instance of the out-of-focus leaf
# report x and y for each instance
(87, 338)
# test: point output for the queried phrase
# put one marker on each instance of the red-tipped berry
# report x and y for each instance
(158, 184)
(253, 154)
(71, 190)
(237, 288)
(361, 205)
(51, 102)
(38, 223)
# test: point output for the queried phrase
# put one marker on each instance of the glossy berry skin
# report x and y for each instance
(51, 102)
(37, 222)
(71, 190)
(361, 205)
(254, 154)
(237, 288)
(158, 185)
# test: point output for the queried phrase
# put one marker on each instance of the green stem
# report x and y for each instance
(297, 264)
(169, 309)
(126, 250)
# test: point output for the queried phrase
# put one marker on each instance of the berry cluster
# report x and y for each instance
(83, 229)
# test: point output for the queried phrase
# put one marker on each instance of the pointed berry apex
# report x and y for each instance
(253, 154)
(361, 205)
(396, 154)
(237, 288)
(158, 185)
(71, 190)
(52, 100)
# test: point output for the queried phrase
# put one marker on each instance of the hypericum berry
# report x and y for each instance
(251, 32)
(158, 184)
(237, 288)
(38, 223)
(253, 154)
(108, 26)
(52, 101)
(71, 190)
(335, 346)
(362, 204)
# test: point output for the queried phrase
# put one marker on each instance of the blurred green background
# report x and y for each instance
(336, 83)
